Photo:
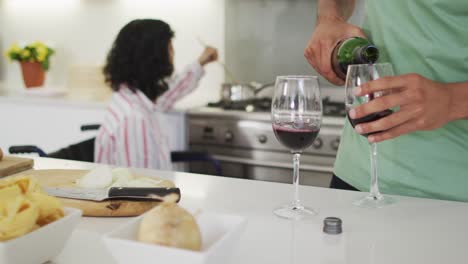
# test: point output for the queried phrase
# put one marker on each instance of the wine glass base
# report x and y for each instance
(371, 201)
(294, 212)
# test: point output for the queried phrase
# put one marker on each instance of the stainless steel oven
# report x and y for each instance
(247, 148)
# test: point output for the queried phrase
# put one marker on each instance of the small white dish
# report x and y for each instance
(220, 233)
(42, 244)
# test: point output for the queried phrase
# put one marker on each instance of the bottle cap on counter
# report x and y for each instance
(332, 225)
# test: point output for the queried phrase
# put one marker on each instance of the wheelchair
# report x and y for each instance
(84, 151)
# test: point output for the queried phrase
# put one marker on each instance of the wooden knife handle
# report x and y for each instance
(144, 193)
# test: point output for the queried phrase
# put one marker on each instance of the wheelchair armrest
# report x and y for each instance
(26, 149)
(90, 127)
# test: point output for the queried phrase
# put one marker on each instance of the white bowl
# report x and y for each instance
(41, 245)
(220, 233)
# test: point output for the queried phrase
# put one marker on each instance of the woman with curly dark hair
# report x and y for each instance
(139, 70)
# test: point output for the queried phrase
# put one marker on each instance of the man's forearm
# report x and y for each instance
(342, 9)
(459, 100)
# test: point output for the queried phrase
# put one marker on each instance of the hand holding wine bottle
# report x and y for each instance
(329, 31)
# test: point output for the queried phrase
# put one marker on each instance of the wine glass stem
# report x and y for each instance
(296, 201)
(374, 188)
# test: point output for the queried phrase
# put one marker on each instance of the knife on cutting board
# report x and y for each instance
(156, 194)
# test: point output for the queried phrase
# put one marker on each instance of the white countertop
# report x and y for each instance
(74, 100)
(57, 97)
(411, 231)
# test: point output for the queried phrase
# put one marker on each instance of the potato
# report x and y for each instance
(9, 193)
(26, 184)
(170, 225)
(19, 218)
(24, 207)
(50, 208)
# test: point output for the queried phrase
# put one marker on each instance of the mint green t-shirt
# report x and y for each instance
(429, 37)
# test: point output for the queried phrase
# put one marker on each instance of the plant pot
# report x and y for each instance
(33, 74)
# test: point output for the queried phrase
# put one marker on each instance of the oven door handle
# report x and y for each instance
(273, 164)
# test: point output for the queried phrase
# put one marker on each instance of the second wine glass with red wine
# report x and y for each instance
(296, 115)
(357, 75)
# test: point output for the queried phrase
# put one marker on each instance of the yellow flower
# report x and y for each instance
(14, 48)
(25, 54)
(41, 51)
(38, 44)
(41, 58)
(12, 51)
(35, 51)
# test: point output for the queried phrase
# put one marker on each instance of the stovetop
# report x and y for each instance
(333, 108)
(263, 104)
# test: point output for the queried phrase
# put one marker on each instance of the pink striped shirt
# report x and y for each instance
(131, 134)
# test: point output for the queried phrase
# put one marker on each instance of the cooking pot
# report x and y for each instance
(233, 92)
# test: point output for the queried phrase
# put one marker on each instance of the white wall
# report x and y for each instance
(82, 32)
(265, 39)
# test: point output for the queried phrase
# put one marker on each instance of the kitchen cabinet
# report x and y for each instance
(48, 123)
(53, 123)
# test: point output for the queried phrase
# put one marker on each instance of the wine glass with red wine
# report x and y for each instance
(358, 75)
(296, 115)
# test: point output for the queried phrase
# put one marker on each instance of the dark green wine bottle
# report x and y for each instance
(352, 51)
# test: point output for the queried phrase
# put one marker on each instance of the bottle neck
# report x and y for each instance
(366, 54)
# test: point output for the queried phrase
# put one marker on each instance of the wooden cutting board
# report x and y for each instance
(10, 165)
(113, 208)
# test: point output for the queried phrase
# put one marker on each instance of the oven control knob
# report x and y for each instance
(335, 144)
(262, 139)
(229, 136)
(317, 143)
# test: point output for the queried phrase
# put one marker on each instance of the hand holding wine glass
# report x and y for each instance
(358, 75)
(423, 105)
(296, 115)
